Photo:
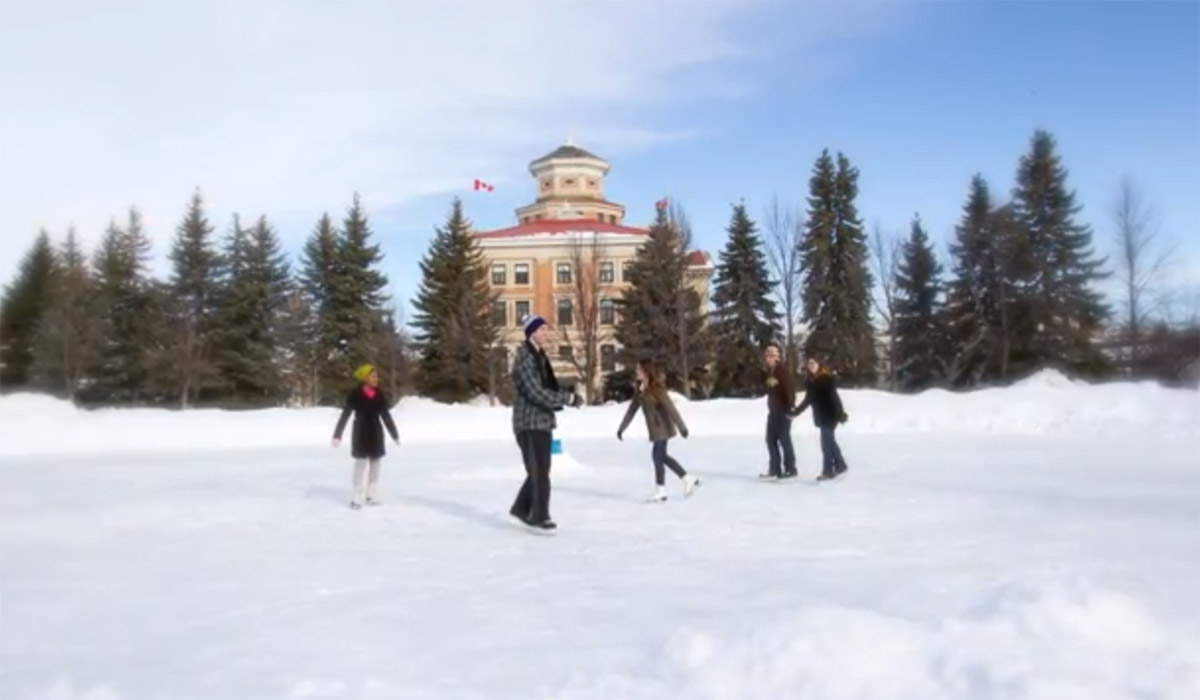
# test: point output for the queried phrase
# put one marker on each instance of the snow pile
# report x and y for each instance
(1045, 403)
(1019, 643)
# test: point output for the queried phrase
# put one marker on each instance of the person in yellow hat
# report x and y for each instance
(371, 413)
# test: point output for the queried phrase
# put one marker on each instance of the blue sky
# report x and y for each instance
(710, 102)
(948, 90)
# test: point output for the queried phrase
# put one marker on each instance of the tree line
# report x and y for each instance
(233, 324)
(1016, 291)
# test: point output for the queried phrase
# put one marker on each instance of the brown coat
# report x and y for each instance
(660, 413)
(781, 389)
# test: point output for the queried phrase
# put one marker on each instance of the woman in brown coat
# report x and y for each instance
(661, 420)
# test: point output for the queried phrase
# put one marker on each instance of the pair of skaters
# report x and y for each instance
(539, 397)
(821, 395)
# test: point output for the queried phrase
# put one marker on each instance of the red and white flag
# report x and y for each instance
(661, 204)
(481, 185)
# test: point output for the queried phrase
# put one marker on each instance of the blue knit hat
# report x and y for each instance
(532, 323)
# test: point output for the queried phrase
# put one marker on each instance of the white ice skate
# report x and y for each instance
(660, 495)
(689, 485)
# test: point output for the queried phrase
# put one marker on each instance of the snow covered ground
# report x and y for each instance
(1041, 541)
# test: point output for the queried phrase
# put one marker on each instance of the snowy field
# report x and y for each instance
(1041, 541)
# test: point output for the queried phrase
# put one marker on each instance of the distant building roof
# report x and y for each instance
(546, 227)
(567, 150)
(699, 258)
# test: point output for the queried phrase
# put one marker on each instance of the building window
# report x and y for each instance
(592, 184)
(525, 220)
(608, 312)
(521, 274)
(612, 218)
(499, 275)
(625, 270)
(522, 308)
(600, 216)
(566, 353)
(566, 312)
(500, 313)
(564, 273)
(569, 182)
(608, 358)
(606, 272)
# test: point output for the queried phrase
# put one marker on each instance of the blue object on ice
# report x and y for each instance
(556, 447)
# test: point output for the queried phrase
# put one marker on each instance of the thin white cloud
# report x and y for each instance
(287, 106)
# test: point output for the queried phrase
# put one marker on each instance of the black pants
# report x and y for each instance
(832, 461)
(661, 459)
(779, 439)
(533, 500)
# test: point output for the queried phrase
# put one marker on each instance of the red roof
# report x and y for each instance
(557, 226)
(698, 258)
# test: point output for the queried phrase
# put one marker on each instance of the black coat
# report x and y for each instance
(821, 393)
(367, 434)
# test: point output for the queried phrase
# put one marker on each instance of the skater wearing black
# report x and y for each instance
(537, 399)
(781, 397)
(652, 398)
(370, 406)
(821, 393)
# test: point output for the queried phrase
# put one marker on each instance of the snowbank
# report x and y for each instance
(1020, 643)
(1045, 403)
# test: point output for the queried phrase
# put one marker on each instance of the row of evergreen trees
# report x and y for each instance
(234, 324)
(231, 325)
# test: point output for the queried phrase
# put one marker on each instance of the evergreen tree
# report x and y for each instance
(1065, 309)
(186, 362)
(745, 319)
(837, 279)
(123, 292)
(321, 349)
(254, 301)
(69, 335)
(22, 309)
(358, 296)
(920, 328)
(453, 316)
(970, 304)
(660, 314)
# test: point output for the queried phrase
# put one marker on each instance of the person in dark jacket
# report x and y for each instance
(370, 406)
(822, 395)
(652, 398)
(538, 397)
(781, 397)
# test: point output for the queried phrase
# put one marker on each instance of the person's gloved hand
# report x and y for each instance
(684, 433)
(620, 436)
(843, 418)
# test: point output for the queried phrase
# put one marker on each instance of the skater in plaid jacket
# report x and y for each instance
(538, 398)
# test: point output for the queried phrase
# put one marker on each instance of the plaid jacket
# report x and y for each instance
(535, 403)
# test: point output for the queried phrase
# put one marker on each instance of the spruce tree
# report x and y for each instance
(190, 319)
(321, 272)
(22, 310)
(123, 290)
(920, 320)
(358, 294)
(660, 314)
(1065, 309)
(254, 300)
(744, 319)
(970, 301)
(837, 279)
(68, 337)
(455, 329)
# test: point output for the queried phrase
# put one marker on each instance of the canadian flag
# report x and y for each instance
(481, 185)
(661, 204)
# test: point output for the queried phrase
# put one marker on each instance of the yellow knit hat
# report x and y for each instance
(363, 372)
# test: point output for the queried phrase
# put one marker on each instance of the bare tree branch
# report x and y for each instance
(785, 231)
(589, 289)
(885, 250)
(1142, 264)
